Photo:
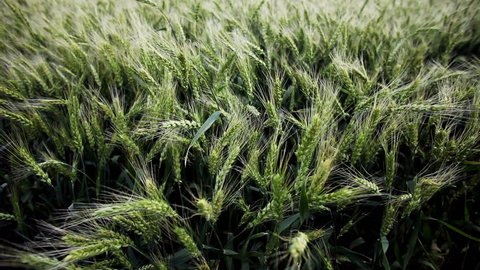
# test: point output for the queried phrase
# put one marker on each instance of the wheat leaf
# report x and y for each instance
(208, 123)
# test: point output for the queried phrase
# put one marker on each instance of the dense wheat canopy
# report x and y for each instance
(275, 134)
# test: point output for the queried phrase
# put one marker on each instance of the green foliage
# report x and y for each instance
(225, 134)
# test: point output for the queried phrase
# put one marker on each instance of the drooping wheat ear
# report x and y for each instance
(275, 208)
(306, 148)
(227, 138)
(390, 161)
(74, 118)
(176, 164)
(39, 261)
(121, 259)
(298, 246)
(389, 217)
(186, 124)
(146, 227)
(346, 228)
(404, 197)
(157, 208)
(186, 239)
(40, 122)
(11, 93)
(246, 72)
(341, 67)
(205, 209)
(252, 169)
(368, 185)
(366, 130)
(272, 113)
(16, 117)
(127, 142)
(277, 90)
(28, 160)
(340, 197)
(5, 217)
(95, 75)
(327, 261)
(158, 147)
(113, 61)
(104, 241)
(319, 178)
(234, 151)
(413, 129)
(97, 130)
(88, 129)
(271, 163)
(58, 166)
(315, 234)
(75, 239)
(147, 266)
(424, 189)
(151, 188)
(218, 203)
(428, 185)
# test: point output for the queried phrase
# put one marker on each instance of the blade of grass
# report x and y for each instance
(455, 229)
(208, 123)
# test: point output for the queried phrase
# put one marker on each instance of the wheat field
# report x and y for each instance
(243, 134)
